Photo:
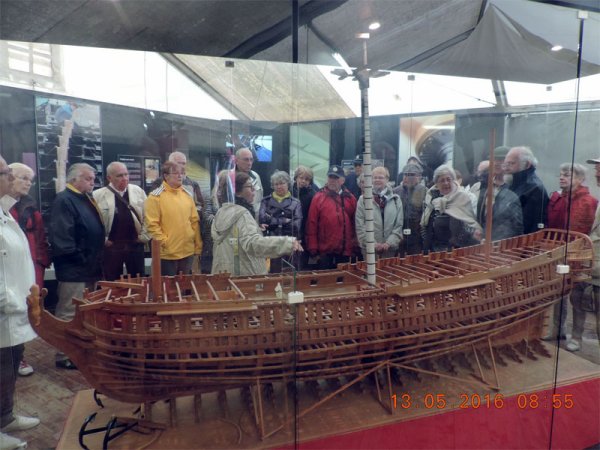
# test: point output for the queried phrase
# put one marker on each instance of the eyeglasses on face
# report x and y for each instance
(410, 174)
(249, 186)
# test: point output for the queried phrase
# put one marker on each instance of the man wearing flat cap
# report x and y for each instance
(330, 232)
(412, 193)
(586, 296)
(507, 214)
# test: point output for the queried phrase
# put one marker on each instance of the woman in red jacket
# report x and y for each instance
(572, 195)
(22, 208)
(583, 205)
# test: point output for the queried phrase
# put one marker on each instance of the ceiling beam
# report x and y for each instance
(281, 30)
(406, 65)
(588, 5)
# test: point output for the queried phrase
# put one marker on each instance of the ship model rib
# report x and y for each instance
(203, 333)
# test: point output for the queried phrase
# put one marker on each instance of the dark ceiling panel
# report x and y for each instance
(204, 27)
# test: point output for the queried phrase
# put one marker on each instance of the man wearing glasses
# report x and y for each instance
(172, 219)
(243, 163)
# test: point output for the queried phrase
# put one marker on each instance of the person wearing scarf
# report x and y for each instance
(388, 217)
(448, 218)
(280, 214)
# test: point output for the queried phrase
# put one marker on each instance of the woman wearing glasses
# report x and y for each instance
(239, 245)
(23, 209)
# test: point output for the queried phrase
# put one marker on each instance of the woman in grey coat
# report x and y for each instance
(388, 217)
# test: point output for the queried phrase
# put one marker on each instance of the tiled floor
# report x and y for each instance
(49, 392)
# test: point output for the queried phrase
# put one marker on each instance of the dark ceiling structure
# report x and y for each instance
(504, 40)
(412, 30)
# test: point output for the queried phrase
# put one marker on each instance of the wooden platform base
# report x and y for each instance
(231, 419)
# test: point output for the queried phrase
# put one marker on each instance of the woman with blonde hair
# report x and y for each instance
(25, 212)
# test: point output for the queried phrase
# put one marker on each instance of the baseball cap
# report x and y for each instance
(335, 171)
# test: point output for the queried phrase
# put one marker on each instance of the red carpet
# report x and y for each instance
(515, 424)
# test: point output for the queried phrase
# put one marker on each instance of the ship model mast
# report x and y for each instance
(363, 74)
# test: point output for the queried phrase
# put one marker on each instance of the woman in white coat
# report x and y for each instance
(17, 275)
(388, 217)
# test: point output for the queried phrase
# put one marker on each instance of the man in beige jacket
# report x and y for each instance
(121, 206)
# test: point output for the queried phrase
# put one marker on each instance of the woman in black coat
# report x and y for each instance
(280, 214)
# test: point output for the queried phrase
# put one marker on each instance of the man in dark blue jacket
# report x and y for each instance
(521, 164)
(77, 240)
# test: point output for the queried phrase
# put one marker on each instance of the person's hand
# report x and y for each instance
(297, 246)
(385, 247)
(264, 226)
(108, 243)
(478, 234)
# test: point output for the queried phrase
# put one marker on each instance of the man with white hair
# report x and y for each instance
(77, 240)
(121, 206)
(243, 163)
(521, 164)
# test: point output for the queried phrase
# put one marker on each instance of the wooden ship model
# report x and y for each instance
(144, 339)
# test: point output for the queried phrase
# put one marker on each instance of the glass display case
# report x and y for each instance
(439, 338)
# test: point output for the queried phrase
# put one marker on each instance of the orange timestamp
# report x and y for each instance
(475, 401)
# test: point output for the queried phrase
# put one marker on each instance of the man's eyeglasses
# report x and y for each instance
(249, 186)
(410, 174)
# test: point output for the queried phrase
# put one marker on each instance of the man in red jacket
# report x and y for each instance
(330, 232)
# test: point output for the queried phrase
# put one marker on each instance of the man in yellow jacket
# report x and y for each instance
(172, 219)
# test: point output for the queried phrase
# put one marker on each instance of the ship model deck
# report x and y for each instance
(143, 339)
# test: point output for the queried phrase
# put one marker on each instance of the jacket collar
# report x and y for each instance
(523, 175)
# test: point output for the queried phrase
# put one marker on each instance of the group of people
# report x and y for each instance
(95, 235)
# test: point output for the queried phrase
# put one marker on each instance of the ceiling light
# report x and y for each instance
(374, 26)
(342, 62)
(438, 127)
(556, 48)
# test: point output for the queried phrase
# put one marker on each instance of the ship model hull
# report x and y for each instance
(139, 340)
